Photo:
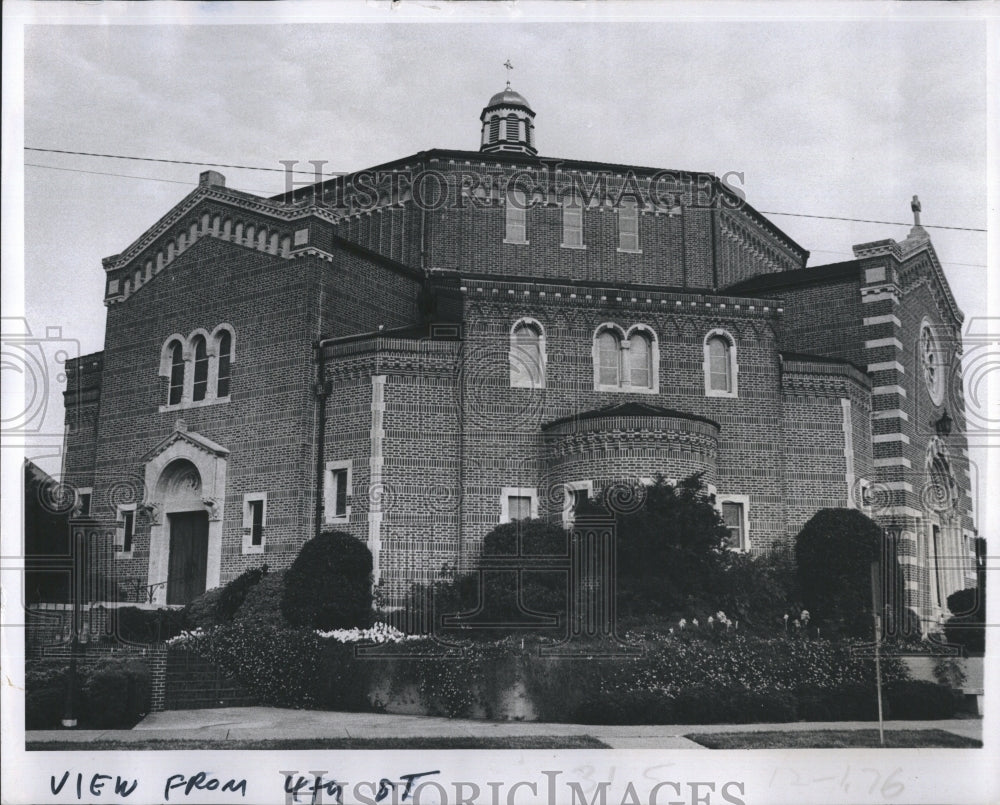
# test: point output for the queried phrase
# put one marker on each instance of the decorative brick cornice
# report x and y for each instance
(583, 293)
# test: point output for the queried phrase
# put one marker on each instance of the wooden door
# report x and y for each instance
(188, 556)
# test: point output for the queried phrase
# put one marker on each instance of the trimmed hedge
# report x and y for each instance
(329, 585)
(113, 693)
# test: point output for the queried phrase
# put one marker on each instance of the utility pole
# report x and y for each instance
(877, 617)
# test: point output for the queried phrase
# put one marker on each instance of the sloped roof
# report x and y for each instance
(633, 409)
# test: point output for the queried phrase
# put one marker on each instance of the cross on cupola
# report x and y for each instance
(508, 122)
(915, 206)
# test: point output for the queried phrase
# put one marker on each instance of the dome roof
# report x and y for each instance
(509, 98)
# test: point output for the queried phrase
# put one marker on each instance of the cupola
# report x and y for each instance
(508, 124)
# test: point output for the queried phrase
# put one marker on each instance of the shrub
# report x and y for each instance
(278, 666)
(203, 611)
(117, 694)
(834, 552)
(112, 693)
(758, 590)
(235, 592)
(967, 626)
(920, 699)
(670, 550)
(45, 693)
(262, 605)
(145, 626)
(329, 585)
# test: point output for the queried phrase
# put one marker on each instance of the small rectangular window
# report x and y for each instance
(84, 506)
(519, 507)
(340, 493)
(337, 492)
(628, 226)
(256, 522)
(128, 530)
(734, 518)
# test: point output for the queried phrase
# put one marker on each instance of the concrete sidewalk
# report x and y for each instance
(227, 724)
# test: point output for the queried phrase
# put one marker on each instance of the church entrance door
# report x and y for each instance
(188, 556)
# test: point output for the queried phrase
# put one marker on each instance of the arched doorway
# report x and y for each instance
(186, 483)
(180, 492)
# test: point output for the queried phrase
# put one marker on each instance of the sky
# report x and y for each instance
(824, 114)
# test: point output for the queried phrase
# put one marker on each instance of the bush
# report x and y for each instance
(116, 694)
(262, 605)
(967, 626)
(203, 612)
(329, 585)
(920, 699)
(235, 592)
(834, 552)
(146, 626)
(670, 551)
(286, 667)
(110, 694)
(45, 693)
(758, 590)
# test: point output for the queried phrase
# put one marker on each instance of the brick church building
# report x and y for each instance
(417, 352)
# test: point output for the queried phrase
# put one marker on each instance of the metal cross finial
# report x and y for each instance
(915, 206)
(509, 67)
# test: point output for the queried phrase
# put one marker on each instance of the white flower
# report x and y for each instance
(378, 633)
(694, 621)
(682, 623)
(711, 620)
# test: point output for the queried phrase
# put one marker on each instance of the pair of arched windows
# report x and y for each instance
(626, 361)
(199, 367)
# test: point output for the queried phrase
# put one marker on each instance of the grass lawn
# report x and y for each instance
(511, 742)
(834, 739)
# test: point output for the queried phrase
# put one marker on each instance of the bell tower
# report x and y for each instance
(508, 124)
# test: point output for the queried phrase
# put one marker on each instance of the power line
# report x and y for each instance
(869, 221)
(945, 262)
(105, 173)
(171, 161)
(122, 175)
(314, 173)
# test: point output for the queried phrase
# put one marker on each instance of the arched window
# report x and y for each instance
(527, 355)
(640, 358)
(225, 363)
(516, 230)
(932, 362)
(608, 359)
(200, 387)
(572, 221)
(720, 365)
(176, 393)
